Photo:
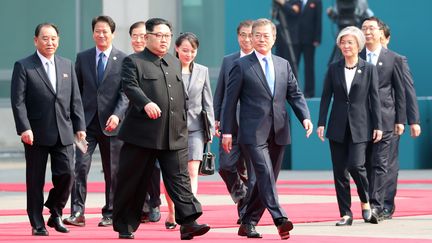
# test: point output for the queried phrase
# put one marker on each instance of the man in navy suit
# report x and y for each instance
(48, 111)
(98, 71)
(232, 166)
(304, 27)
(393, 110)
(263, 83)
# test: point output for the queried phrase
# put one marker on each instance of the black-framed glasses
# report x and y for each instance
(159, 36)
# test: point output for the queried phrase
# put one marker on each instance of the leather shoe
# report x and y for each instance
(376, 216)
(169, 225)
(387, 213)
(76, 219)
(57, 224)
(284, 226)
(145, 217)
(41, 231)
(345, 221)
(366, 214)
(154, 214)
(249, 231)
(105, 222)
(188, 231)
(126, 235)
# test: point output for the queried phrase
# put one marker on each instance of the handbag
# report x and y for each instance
(206, 123)
(207, 165)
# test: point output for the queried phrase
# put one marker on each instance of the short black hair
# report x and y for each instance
(386, 30)
(151, 23)
(376, 19)
(135, 25)
(106, 19)
(40, 26)
(245, 23)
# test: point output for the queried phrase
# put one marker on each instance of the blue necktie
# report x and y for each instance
(100, 68)
(269, 75)
(370, 57)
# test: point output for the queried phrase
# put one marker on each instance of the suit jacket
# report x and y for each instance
(147, 78)
(391, 88)
(259, 110)
(107, 99)
(222, 82)
(304, 27)
(359, 110)
(50, 115)
(412, 110)
(198, 90)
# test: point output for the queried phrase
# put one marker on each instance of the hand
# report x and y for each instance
(27, 137)
(281, 2)
(217, 127)
(399, 129)
(377, 135)
(81, 135)
(153, 111)
(415, 130)
(320, 132)
(227, 144)
(316, 43)
(307, 124)
(296, 8)
(112, 123)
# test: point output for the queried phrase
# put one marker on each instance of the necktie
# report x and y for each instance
(100, 68)
(269, 75)
(51, 74)
(370, 57)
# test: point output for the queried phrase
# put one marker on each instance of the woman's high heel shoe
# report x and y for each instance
(169, 225)
(345, 221)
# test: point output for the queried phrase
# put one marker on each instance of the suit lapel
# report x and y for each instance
(358, 74)
(112, 59)
(256, 66)
(381, 59)
(92, 58)
(39, 66)
(193, 79)
(341, 76)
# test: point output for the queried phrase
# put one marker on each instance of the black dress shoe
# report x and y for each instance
(238, 221)
(387, 213)
(284, 226)
(249, 231)
(76, 219)
(145, 217)
(169, 225)
(41, 231)
(376, 216)
(57, 224)
(345, 221)
(154, 215)
(105, 222)
(188, 231)
(366, 214)
(126, 235)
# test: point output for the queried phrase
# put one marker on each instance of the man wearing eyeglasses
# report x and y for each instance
(155, 127)
(232, 166)
(393, 110)
(98, 73)
(263, 83)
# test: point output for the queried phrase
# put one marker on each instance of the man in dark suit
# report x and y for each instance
(263, 83)
(48, 111)
(98, 73)
(413, 117)
(393, 110)
(155, 127)
(304, 27)
(232, 166)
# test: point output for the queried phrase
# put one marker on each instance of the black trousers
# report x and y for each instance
(109, 148)
(62, 177)
(380, 160)
(349, 158)
(266, 160)
(308, 51)
(392, 174)
(134, 175)
(153, 193)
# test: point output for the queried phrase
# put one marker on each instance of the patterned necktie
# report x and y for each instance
(51, 74)
(100, 68)
(269, 75)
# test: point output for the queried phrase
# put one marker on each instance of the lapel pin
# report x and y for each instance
(65, 75)
(114, 58)
(359, 71)
(380, 63)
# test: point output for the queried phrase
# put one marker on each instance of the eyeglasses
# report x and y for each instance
(159, 36)
(244, 35)
(136, 37)
(370, 28)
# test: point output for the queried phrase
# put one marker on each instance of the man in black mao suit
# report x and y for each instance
(155, 127)
(263, 83)
(304, 26)
(98, 72)
(48, 111)
(232, 166)
(413, 118)
(393, 110)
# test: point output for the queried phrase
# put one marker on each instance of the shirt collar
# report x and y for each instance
(242, 53)
(261, 56)
(107, 52)
(44, 59)
(376, 52)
